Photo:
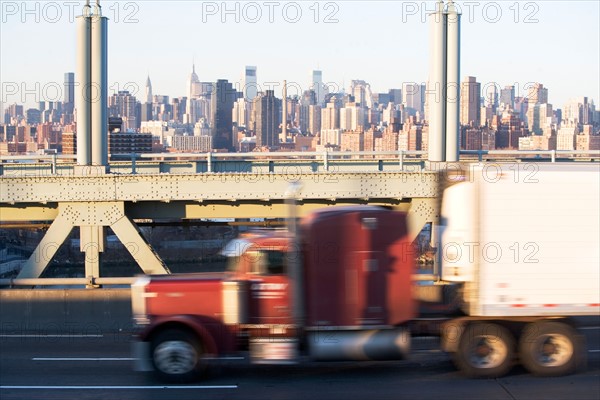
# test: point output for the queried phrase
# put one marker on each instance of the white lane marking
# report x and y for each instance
(594, 351)
(114, 387)
(51, 336)
(589, 328)
(82, 359)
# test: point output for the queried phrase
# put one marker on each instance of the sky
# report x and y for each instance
(385, 43)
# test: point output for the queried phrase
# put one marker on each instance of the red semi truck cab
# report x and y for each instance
(338, 290)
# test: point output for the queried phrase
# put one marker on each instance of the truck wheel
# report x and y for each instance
(176, 355)
(485, 351)
(549, 348)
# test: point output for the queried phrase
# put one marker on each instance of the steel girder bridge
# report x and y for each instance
(90, 199)
(180, 187)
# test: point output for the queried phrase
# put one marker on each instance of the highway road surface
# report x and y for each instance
(99, 366)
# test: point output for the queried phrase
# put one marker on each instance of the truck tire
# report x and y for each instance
(549, 348)
(176, 356)
(486, 350)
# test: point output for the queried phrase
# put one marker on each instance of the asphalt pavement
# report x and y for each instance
(99, 366)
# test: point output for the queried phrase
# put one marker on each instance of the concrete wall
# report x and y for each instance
(64, 311)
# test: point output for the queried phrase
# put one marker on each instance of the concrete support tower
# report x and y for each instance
(452, 82)
(443, 92)
(92, 93)
(284, 133)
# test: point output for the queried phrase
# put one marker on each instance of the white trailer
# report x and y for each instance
(524, 239)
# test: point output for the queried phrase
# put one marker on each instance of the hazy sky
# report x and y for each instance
(382, 42)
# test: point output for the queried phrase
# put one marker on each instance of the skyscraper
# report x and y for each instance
(250, 86)
(69, 95)
(361, 91)
(317, 86)
(148, 90)
(193, 87)
(490, 96)
(470, 102)
(507, 96)
(352, 117)
(330, 115)
(309, 98)
(267, 110)
(412, 98)
(146, 107)
(395, 96)
(221, 106)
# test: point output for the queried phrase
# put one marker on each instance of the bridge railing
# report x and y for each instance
(25, 165)
(89, 282)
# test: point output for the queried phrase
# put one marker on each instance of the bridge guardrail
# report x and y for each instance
(65, 164)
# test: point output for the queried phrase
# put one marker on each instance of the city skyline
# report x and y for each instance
(142, 44)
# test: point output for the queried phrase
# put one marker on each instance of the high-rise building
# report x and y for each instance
(193, 89)
(250, 85)
(537, 93)
(395, 96)
(148, 98)
(507, 97)
(587, 140)
(33, 116)
(221, 106)
(412, 98)
(578, 111)
(15, 111)
(330, 115)
(317, 86)
(390, 114)
(241, 112)
(470, 100)
(352, 117)
(490, 96)
(314, 119)
(361, 91)
(353, 141)
(146, 106)
(267, 111)
(124, 105)
(566, 138)
(69, 94)
(537, 117)
(471, 138)
(309, 98)
(510, 130)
